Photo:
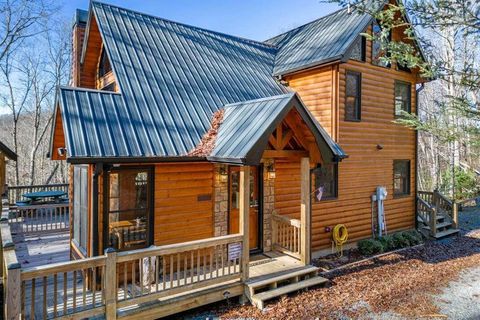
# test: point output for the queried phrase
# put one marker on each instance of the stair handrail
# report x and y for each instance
(431, 218)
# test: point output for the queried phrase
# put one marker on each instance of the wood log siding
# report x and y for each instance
(366, 168)
(179, 215)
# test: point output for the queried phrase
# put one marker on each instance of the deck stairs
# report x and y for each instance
(277, 285)
(436, 215)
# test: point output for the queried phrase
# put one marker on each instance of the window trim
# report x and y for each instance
(359, 90)
(409, 84)
(409, 189)
(106, 192)
(335, 174)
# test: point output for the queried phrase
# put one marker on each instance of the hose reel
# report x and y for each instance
(339, 238)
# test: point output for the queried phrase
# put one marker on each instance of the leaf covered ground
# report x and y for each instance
(398, 285)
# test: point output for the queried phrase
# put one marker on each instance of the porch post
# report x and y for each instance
(244, 213)
(305, 210)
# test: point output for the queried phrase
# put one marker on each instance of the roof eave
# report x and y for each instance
(135, 159)
(313, 65)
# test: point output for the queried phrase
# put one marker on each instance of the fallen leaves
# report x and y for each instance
(399, 283)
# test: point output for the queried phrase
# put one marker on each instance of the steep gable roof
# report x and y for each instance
(321, 41)
(178, 75)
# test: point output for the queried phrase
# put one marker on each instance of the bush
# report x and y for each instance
(413, 236)
(400, 240)
(388, 243)
(369, 247)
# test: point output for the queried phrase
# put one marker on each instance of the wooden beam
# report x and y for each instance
(279, 136)
(244, 214)
(271, 154)
(305, 211)
(285, 139)
(111, 284)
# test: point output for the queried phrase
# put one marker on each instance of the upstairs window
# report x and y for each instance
(403, 97)
(377, 47)
(358, 49)
(104, 66)
(401, 178)
(353, 95)
(326, 181)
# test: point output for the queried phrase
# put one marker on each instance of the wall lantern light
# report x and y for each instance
(271, 171)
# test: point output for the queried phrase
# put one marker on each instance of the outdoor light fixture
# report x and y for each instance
(271, 171)
(223, 171)
(379, 147)
(62, 152)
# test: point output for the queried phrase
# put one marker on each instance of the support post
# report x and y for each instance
(305, 211)
(455, 214)
(244, 218)
(13, 285)
(110, 283)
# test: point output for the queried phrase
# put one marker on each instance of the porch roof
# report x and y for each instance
(247, 126)
(99, 126)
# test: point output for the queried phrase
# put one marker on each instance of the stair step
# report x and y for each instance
(439, 225)
(259, 298)
(265, 282)
(446, 233)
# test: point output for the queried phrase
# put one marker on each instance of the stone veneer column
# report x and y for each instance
(220, 187)
(268, 205)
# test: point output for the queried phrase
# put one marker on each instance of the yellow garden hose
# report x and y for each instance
(340, 236)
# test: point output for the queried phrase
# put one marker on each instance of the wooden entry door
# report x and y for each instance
(255, 205)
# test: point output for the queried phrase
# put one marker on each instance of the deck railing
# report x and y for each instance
(41, 218)
(15, 193)
(108, 284)
(286, 235)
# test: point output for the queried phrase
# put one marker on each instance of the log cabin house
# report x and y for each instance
(5, 154)
(178, 135)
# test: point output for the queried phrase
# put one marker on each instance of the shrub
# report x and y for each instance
(369, 247)
(400, 241)
(388, 243)
(413, 236)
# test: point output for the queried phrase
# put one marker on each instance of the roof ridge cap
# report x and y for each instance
(189, 25)
(276, 97)
(88, 90)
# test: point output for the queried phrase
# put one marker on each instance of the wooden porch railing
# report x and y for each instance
(41, 218)
(15, 192)
(107, 284)
(286, 235)
(432, 204)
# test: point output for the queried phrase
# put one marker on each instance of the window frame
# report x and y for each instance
(408, 177)
(151, 202)
(359, 98)
(363, 49)
(409, 104)
(83, 224)
(335, 177)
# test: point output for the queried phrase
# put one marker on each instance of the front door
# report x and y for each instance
(255, 205)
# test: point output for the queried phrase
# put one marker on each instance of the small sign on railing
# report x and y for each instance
(234, 251)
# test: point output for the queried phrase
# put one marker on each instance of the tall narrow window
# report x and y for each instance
(326, 181)
(403, 97)
(129, 210)
(401, 177)
(80, 207)
(104, 66)
(358, 49)
(353, 96)
(378, 47)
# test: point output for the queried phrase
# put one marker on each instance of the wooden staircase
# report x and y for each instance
(437, 215)
(265, 289)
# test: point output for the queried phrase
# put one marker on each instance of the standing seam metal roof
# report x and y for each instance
(323, 40)
(172, 79)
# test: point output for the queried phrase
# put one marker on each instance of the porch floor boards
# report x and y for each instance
(272, 264)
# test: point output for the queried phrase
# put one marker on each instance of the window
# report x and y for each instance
(403, 99)
(80, 206)
(353, 96)
(378, 50)
(358, 50)
(401, 177)
(326, 181)
(104, 66)
(129, 209)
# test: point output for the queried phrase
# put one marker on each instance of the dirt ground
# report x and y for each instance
(440, 280)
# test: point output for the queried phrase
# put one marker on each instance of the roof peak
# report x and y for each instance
(268, 45)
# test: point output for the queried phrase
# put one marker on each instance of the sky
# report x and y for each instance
(252, 19)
